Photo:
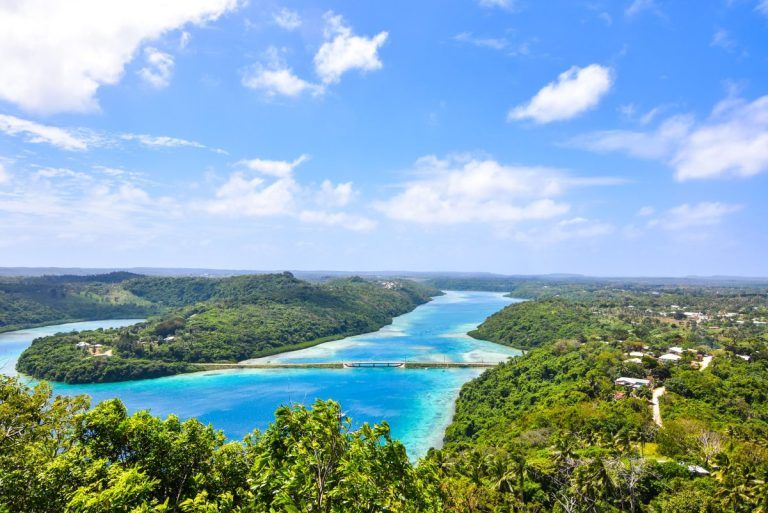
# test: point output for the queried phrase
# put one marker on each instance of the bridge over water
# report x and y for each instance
(348, 365)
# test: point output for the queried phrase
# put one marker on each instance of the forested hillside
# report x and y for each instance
(56, 456)
(231, 319)
(33, 301)
(551, 430)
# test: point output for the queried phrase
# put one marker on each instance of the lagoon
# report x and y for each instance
(417, 403)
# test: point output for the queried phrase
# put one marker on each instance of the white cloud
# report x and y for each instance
(651, 145)
(483, 42)
(37, 133)
(465, 189)
(343, 51)
(84, 139)
(348, 221)
(277, 193)
(276, 168)
(576, 90)
(184, 40)
(276, 81)
(82, 45)
(158, 68)
(640, 6)
(566, 229)
(162, 141)
(273, 77)
(335, 195)
(503, 4)
(733, 141)
(59, 203)
(5, 176)
(762, 6)
(722, 39)
(254, 197)
(700, 215)
(287, 19)
(646, 211)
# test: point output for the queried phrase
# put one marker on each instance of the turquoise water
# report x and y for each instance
(13, 343)
(417, 403)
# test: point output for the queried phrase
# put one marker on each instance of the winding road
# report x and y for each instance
(657, 392)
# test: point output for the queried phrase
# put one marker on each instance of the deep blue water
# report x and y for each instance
(417, 403)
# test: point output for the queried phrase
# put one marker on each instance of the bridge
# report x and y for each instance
(348, 365)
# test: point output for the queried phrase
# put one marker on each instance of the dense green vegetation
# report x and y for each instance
(235, 319)
(550, 431)
(34, 301)
(57, 456)
(533, 323)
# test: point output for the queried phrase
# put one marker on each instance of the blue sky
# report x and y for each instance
(598, 137)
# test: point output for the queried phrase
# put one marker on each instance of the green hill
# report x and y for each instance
(221, 320)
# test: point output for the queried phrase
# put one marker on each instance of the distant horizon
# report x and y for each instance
(191, 271)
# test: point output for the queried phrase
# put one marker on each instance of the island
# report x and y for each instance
(219, 320)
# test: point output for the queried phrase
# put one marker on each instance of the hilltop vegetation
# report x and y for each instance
(550, 431)
(231, 319)
(57, 456)
(34, 301)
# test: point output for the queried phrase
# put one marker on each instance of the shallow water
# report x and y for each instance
(12, 343)
(417, 403)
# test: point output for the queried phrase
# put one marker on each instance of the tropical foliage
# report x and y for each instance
(57, 456)
(239, 318)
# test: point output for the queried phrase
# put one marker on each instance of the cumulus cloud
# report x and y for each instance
(274, 81)
(337, 195)
(274, 78)
(465, 189)
(254, 197)
(37, 133)
(287, 19)
(575, 91)
(82, 45)
(157, 69)
(700, 215)
(276, 192)
(344, 51)
(276, 168)
(732, 141)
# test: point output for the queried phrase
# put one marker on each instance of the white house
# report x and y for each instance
(676, 350)
(669, 357)
(633, 360)
(636, 354)
(83, 345)
(632, 382)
